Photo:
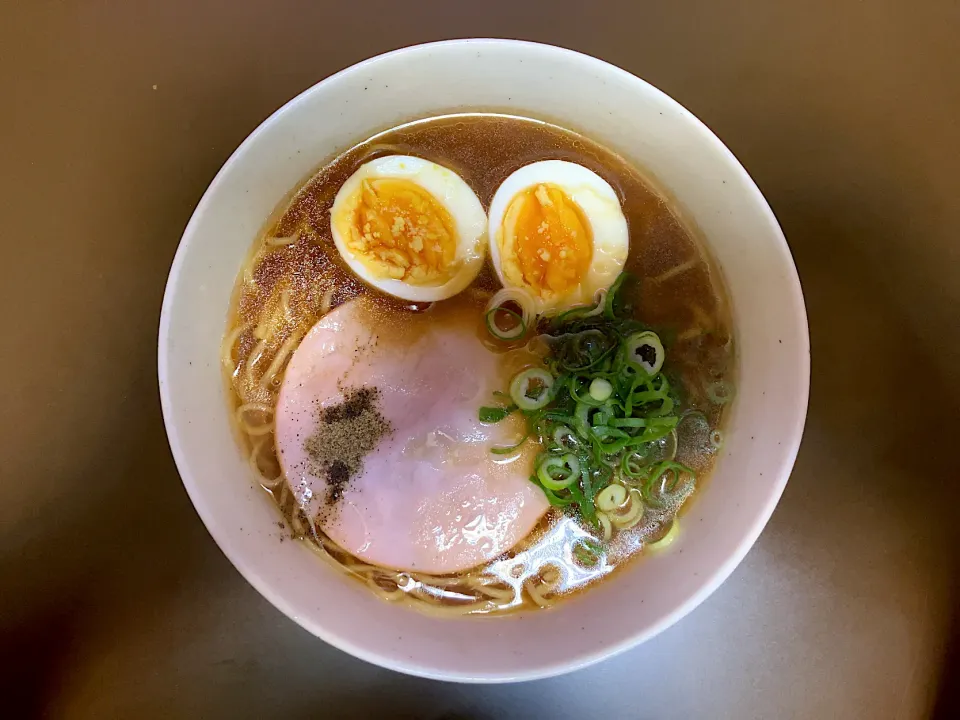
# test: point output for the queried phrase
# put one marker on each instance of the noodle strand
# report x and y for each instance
(280, 358)
(675, 270)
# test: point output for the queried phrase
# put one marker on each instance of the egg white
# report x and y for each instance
(450, 191)
(600, 207)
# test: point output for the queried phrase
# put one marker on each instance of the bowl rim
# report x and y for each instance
(711, 580)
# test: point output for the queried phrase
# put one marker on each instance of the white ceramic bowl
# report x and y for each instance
(614, 108)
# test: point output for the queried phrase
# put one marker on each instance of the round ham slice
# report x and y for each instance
(430, 497)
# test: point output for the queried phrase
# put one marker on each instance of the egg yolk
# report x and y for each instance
(546, 242)
(399, 230)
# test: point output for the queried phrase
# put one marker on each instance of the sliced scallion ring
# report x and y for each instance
(582, 312)
(507, 449)
(609, 302)
(602, 416)
(600, 389)
(665, 483)
(564, 436)
(517, 331)
(611, 497)
(605, 525)
(581, 419)
(608, 440)
(587, 552)
(530, 388)
(523, 300)
(632, 515)
(557, 472)
(666, 539)
(635, 464)
(577, 392)
(645, 349)
(667, 446)
(557, 500)
(650, 435)
(599, 303)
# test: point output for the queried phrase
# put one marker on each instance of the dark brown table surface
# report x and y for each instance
(114, 601)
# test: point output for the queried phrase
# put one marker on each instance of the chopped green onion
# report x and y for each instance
(523, 300)
(587, 552)
(562, 436)
(664, 448)
(667, 475)
(581, 418)
(557, 472)
(650, 435)
(582, 312)
(600, 389)
(646, 350)
(666, 407)
(609, 305)
(517, 331)
(635, 464)
(605, 525)
(552, 497)
(587, 508)
(602, 415)
(611, 497)
(620, 439)
(532, 380)
(667, 539)
(635, 370)
(495, 414)
(602, 409)
(631, 422)
(669, 445)
(578, 394)
(507, 449)
(624, 519)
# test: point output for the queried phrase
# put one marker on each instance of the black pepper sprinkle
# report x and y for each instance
(345, 434)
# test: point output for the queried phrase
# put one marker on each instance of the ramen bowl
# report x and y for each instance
(713, 194)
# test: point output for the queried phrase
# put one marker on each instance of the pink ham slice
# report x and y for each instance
(431, 497)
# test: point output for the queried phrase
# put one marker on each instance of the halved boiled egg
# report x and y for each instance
(558, 232)
(410, 227)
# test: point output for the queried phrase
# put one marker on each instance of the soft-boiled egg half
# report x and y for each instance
(558, 232)
(410, 227)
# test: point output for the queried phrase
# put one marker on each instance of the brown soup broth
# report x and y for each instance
(294, 275)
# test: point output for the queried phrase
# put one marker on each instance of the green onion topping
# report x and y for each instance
(604, 414)
(557, 473)
(495, 414)
(600, 389)
(517, 331)
(497, 307)
(530, 389)
(646, 350)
